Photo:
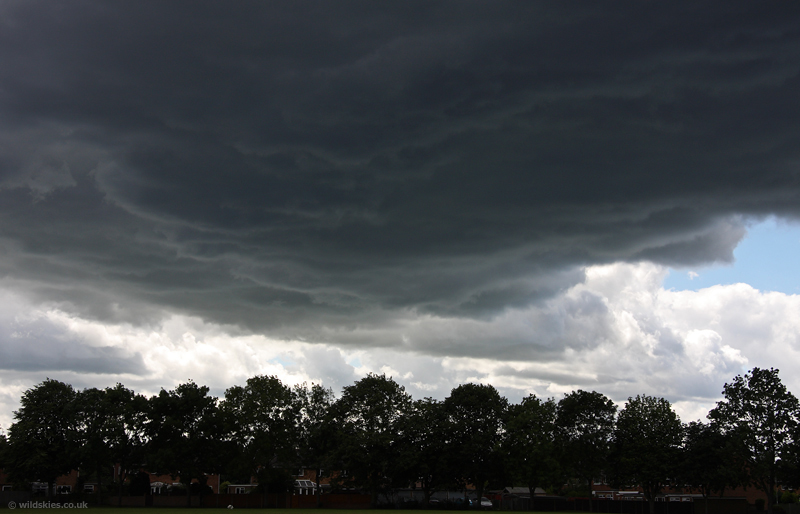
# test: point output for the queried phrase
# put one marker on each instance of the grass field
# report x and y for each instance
(198, 510)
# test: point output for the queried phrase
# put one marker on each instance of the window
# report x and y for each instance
(238, 490)
(88, 488)
(63, 489)
(305, 487)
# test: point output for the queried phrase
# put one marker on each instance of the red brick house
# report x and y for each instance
(603, 490)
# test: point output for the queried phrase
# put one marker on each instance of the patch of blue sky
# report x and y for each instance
(768, 259)
(283, 361)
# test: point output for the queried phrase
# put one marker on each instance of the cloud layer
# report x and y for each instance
(619, 333)
(432, 178)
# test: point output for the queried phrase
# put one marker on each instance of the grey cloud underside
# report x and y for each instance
(40, 345)
(309, 169)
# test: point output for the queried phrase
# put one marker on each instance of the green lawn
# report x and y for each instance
(197, 510)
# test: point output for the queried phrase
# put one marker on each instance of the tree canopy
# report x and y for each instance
(375, 438)
(367, 416)
(314, 429)
(531, 448)
(586, 426)
(476, 414)
(762, 416)
(261, 421)
(43, 440)
(709, 461)
(647, 442)
(424, 451)
(185, 431)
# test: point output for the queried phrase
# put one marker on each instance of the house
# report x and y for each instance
(159, 483)
(5, 484)
(69, 483)
(65, 484)
(305, 483)
(523, 492)
(240, 488)
(305, 480)
(600, 489)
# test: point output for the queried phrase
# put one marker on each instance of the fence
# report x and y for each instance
(14, 496)
(361, 501)
(555, 503)
(288, 501)
(251, 501)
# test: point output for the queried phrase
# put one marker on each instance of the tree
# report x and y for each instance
(761, 415)
(314, 429)
(186, 432)
(530, 444)
(708, 463)
(3, 450)
(586, 427)
(476, 414)
(647, 442)
(789, 464)
(423, 454)
(127, 415)
(93, 418)
(367, 416)
(262, 421)
(42, 441)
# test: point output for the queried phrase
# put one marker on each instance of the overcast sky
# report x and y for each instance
(502, 192)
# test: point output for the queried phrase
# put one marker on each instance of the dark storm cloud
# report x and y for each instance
(296, 166)
(35, 343)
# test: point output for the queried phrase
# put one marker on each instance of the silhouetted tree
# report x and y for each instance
(476, 414)
(367, 415)
(262, 422)
(43, 440)
(185, 431)
(762, 416)
(3, 450)
(531, 451)
(647, 442)
(586, 428)
(92, 420)
(708, 462)
(423, 446)
(127, 415)
(314, 428)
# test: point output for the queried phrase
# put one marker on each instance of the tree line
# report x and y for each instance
(378, 438)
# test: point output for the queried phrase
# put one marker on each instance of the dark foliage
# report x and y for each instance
(376, 439)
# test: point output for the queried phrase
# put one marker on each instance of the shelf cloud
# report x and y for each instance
(436, 179)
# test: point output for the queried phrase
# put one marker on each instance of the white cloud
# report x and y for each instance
(619, 333)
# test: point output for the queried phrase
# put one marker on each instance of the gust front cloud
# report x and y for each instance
(36, 341)
(619, 332)
(353, 174)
